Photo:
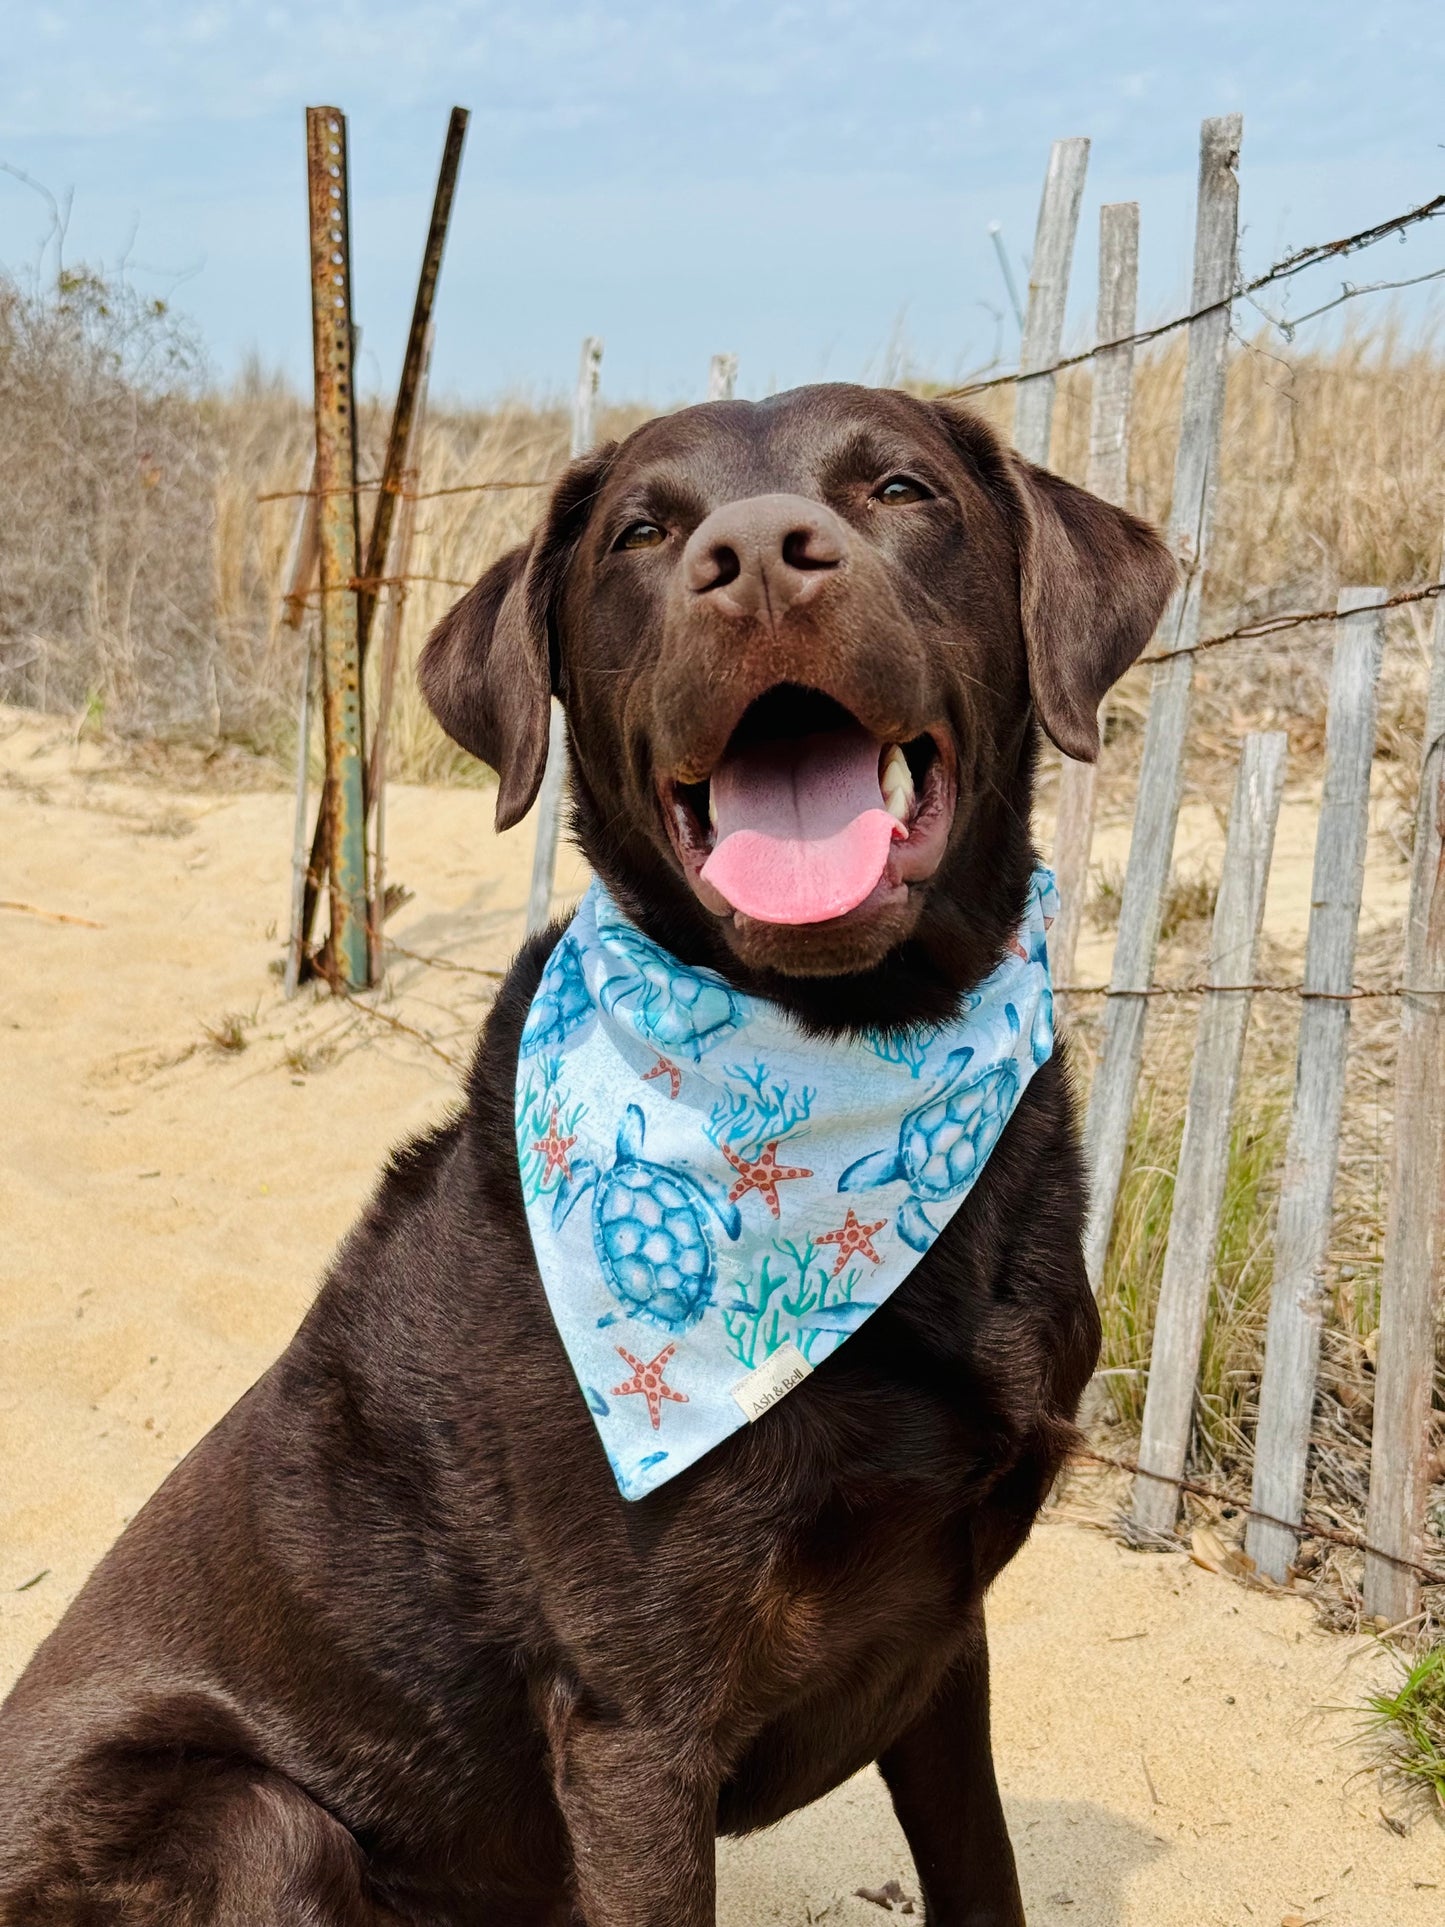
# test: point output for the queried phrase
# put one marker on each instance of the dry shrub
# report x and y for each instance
(144, 574)
(105, 510)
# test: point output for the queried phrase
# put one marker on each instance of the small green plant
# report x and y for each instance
(1239, 1291)
(228, 1035)
(1411, 1723)
(1187, 899)
(303, 1058)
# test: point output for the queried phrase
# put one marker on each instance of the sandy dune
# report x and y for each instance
(1165, 1739)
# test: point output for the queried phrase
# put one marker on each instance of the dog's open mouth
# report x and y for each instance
(808, 815)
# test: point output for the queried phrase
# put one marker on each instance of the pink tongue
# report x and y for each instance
(802, 834)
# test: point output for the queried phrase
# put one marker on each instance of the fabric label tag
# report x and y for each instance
(783, 1373)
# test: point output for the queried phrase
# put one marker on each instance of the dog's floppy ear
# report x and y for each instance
(489, 667)
(1093, 582)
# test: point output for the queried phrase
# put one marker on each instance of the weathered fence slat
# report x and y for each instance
(1048, 295)
(333, 345)
(295, 928)
(722, 377)
(1415, 1234)
(1204, 1151)
(1107, 476)
(1161, 772)
(554, 779)
(1297, 1302)
(397, 568)
(301, 566)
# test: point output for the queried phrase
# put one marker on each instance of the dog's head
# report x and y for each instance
(800, 644)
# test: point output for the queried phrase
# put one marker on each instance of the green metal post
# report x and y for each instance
(339, 542)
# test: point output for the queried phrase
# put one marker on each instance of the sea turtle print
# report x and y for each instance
(942, 1142)
(681, 1011)
(562, 1004)
(694, 1162)
(651, 1228)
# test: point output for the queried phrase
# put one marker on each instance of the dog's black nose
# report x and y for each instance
(764, 554)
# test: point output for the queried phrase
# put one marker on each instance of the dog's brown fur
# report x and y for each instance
(388, 1647)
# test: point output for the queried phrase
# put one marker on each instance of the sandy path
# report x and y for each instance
(166, 1209)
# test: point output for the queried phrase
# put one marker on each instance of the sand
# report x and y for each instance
(1170, 1745)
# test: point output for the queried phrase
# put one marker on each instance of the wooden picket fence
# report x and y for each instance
(1415, 1239)
(1415, 1231)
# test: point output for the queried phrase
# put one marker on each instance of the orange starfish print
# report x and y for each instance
(850, 1237)
(664, 1067)
(554, 1148)
(648, 1380)
(763, 1174)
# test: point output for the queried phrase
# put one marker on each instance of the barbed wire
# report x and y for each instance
(1305, 1528)
(1202, 989)
(1282, 270)
(1349, 290)
(379, 485)
(1263, 626)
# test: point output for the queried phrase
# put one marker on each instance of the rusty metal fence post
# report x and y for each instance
(398, 443)
(340, 545)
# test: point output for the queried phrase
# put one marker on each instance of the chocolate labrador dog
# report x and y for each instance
(388, 1646)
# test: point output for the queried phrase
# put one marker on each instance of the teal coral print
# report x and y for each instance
(547, 1126)
(755, 1110)
(791, 1297)
(747, 1123)
(906, 1047)
(651, 1228)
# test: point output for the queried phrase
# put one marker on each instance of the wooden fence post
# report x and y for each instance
(1048, 296)
(301, 566)
(1297, 1293)
(1107, 477)
(1161, 771)
(295, 932)
(1415, 1234)
(1204, 1151)
(396, 566)
(722, 376)
(554, 779)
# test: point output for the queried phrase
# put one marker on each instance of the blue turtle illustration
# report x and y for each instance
(680, 1010)
(942, 1142)
(562, 1003)
(650, 1228)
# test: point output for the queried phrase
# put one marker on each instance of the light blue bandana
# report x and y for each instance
(718, 1201)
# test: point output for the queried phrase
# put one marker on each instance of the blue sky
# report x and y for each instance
(802, 183)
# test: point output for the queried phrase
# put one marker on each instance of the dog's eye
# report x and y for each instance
(899, 489)
(640, 535)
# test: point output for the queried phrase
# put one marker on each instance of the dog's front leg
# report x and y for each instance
(940, 1774)
(642, 1819)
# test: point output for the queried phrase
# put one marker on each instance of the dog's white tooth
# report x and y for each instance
(711, 808)
(896, 783)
